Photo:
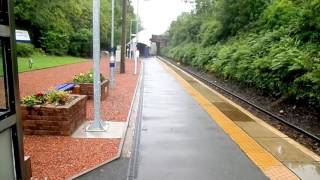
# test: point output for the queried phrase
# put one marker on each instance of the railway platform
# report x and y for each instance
(178, 138)
(189, 131)
(186, 130)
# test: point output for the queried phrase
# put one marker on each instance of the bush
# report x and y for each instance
(271, 45)
(80, 43)
(24, 50)
(55, 43)
(210, 32)
(281, 13)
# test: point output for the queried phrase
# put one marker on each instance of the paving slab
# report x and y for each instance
(283, 150)
(178, 138)
(305, 170)
(256, 130)
(114, 130)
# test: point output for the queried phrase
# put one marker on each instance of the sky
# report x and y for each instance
(157, 15)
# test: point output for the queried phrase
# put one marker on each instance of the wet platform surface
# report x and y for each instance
(179, 140)
(302, 162)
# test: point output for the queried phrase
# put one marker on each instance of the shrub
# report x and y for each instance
(24, 50)
(80, 43)
(279, 13)
(271, 45)
(210, 32)
(55, 43)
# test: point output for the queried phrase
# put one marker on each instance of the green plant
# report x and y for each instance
(29, 100)
(55, 42)
(52, 97)
(60, 26)
(270, 45)
(57, 97)
(80, 43)
(36, 99)
(24, 50)
(86, 78)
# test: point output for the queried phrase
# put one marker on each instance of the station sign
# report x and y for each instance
(22, 36)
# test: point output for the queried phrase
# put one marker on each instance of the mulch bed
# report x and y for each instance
(57, 157)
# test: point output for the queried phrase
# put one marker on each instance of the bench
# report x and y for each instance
(65, 87)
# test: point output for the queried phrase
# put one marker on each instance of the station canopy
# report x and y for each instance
(144, 37)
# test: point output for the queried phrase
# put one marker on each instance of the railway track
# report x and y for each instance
(213, 84)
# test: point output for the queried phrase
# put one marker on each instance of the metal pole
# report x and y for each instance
(97, 125)
(137, 39)
(112, 25)
(123, 38)
(112, 58)
(137, 23)
(132, 44)
(130, 39)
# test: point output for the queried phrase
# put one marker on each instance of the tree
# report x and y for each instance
(64, 26)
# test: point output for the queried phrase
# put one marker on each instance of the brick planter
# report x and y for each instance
(87, 89)
(54, 120)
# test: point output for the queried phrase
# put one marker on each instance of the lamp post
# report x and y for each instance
(112, 58)
(131, 42)
(97, 125)
(123, 38)
(137, 37)
(132, 47)
(137, 22)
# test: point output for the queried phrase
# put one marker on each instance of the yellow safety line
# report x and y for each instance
(271, 167)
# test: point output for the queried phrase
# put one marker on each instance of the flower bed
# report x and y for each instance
(55, 113)
(85, 82)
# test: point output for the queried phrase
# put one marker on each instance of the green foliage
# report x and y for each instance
(270, 45)
(52, 97)
(57, 97)
(279, 13)
(185, 30)
(81, 43)
(29, 100)
(235, 14)
(86, 78)
(64, 26)
(55, 43)
(185, 53)
(24, 50)
(210, 32)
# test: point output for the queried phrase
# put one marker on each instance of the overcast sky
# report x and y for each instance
(157, 15)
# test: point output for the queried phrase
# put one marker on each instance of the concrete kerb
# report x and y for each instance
(134, 99)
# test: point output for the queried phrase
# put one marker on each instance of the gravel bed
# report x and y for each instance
(57, 157)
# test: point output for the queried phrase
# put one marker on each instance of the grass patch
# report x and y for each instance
(46, 61)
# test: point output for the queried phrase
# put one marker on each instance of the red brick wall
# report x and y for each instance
(87, 89)
(52, 120)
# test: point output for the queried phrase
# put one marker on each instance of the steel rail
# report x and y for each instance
(212, 84)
